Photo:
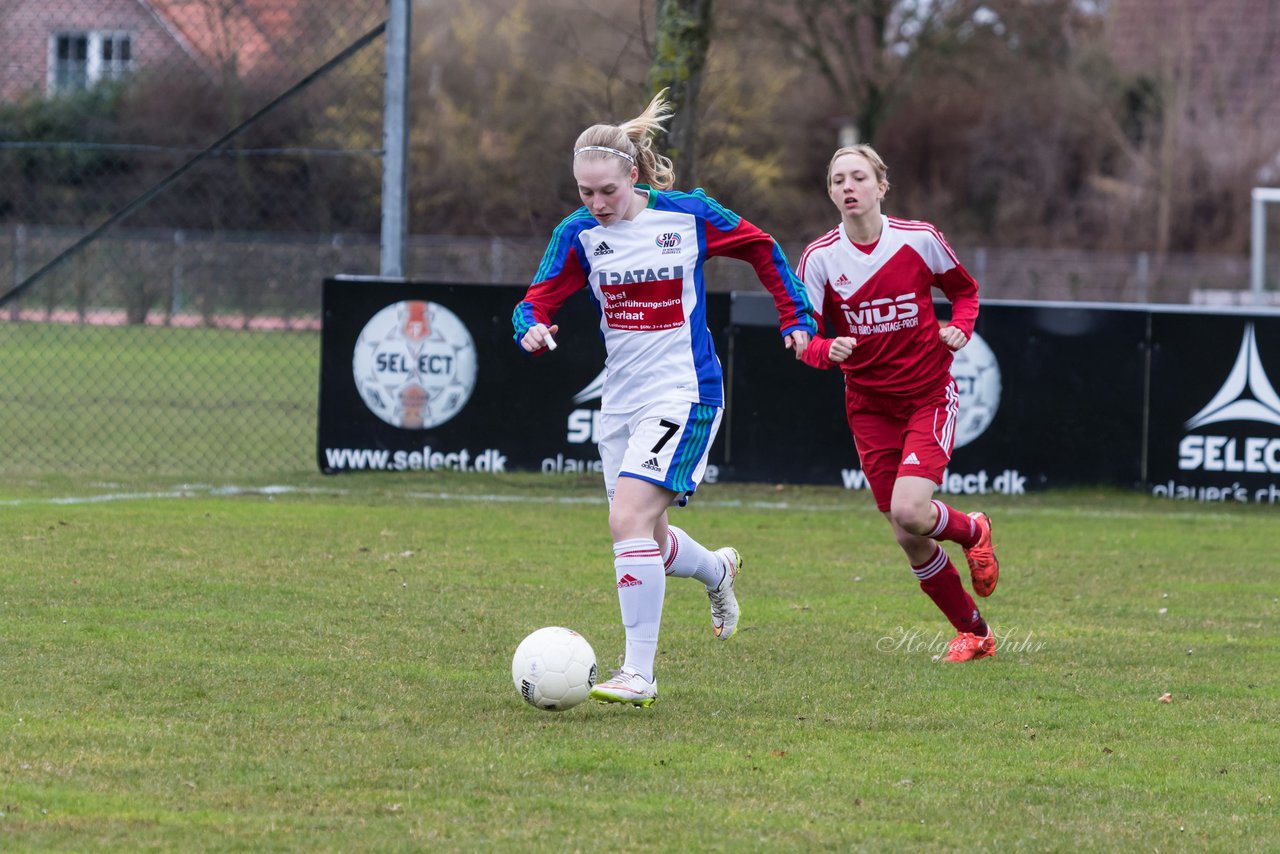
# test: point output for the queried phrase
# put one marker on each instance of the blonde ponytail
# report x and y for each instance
(633, 141)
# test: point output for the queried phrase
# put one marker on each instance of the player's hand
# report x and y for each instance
(952, 337)
(841, 349)
(797, 341)
(539, 336)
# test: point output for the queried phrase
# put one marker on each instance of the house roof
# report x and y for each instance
(252, 34)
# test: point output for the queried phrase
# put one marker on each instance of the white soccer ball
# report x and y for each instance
(554, 668)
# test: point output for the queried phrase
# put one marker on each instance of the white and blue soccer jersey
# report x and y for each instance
(645, 276)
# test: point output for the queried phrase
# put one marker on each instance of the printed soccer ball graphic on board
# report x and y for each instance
(977, 375)
(415, 364)
(554, 668)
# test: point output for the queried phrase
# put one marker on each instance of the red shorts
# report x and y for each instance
(903, 438)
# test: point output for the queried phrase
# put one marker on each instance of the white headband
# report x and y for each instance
(622, 154)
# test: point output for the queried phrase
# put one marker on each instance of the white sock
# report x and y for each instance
(641, 587)
(685, 557)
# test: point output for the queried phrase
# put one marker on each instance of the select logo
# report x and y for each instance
(415, 364)
(584, 424)
(1245, 396)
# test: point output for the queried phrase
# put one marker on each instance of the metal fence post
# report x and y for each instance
(395, 138)
(175, 291)
(19, 257)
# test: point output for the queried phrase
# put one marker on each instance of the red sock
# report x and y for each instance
(939, 579)
(954, 526)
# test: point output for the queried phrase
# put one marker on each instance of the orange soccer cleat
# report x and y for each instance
(984, 569)
(969, 647)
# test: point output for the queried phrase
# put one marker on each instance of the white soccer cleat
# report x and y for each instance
(626, 686)
(724, 605)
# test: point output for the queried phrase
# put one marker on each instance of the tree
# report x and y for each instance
(1000, 136)
(1194, 117)
(866, 50)
(680, 52)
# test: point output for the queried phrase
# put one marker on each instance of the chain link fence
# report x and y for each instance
(159, 294)
(160, 299)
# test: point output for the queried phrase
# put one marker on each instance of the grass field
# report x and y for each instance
(109, 399)
(327, 667)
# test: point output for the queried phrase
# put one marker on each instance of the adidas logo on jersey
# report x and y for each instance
(629, 580)
(843, 280)
(911, 460)
(651, 464)
(602, 249)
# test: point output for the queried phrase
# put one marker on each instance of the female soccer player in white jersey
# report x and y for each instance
(871, 280)
(639, 248)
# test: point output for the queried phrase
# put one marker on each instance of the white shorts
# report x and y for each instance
(666, 443)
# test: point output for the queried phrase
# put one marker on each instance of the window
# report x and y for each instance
(71, 62)
(117, 54)
(78, 60)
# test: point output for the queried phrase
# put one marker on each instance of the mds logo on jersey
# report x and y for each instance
(1246, 397)
(882, 315)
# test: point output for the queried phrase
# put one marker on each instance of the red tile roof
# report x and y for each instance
(254, 34)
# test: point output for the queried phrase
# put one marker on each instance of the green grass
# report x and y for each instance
(100, 399)
(329, 669)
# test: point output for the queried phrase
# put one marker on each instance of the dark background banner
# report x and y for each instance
(1067, 406)
(1052, 395)
(521, 414)
(1228, 367)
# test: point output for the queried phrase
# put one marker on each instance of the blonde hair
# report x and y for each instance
(862, 150)
(633, 141)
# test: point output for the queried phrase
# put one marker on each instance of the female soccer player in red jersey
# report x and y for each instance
(871, 280)
(639, 248)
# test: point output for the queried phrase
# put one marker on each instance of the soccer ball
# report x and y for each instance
(554, 668)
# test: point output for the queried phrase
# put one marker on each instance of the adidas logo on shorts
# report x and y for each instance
(602, 249)
(651, 464)
(911, 460)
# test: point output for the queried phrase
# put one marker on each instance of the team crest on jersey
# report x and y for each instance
(669, 242)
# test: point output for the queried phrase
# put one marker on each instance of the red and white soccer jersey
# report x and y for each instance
(884, 300)
(645, 276)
